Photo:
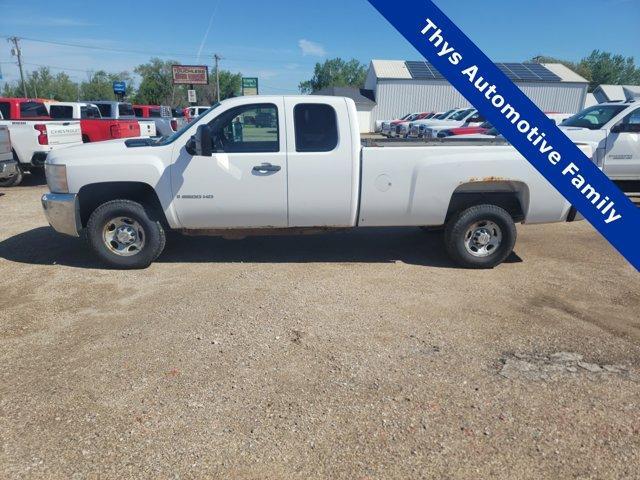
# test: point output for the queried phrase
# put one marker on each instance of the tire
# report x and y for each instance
(14, 180)
(144, 236)
(482, 236)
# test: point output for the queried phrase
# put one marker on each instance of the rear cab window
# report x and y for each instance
(125, 110)
(61, 111)
(90, 111)
(33, 110)
(316, 127)
(105, 109)
(139, 112)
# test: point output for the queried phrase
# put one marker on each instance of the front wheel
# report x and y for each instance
(124, 236)
(480, 237)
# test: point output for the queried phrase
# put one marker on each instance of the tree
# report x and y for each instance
(335, 73)
(156, 87)
(42, 83)
(605, 68)
(601, 68)
(100, 85)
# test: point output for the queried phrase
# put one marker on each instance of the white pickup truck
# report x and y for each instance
(613, 129)
(8, 165)
(33, 134)
(224, 176)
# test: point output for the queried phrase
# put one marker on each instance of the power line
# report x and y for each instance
(147, 52)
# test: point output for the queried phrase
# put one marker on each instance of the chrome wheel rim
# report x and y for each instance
(124, 236)
(483, 238)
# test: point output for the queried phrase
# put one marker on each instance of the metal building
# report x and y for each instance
(401, 87)
(616, 93)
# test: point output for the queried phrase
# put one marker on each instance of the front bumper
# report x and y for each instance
(63, 212)
(8, 168)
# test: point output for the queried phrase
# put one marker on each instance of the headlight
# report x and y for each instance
(56, 178)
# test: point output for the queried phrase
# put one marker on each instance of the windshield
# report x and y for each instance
(594, 118)
(461, 115)
(445, 115)
(172, 138)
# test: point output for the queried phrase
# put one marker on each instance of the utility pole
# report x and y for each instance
(18, 53)
(217, 59)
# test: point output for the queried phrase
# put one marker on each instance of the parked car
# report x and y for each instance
(34, 134)
(469, 117)
(401, 129)
(8, 165)
(387, 126)
(463, 131)
(94, 127)
(614, 131)
(310, 174)
(160, 115)
(123, 110)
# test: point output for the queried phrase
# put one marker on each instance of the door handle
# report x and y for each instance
(267, 167)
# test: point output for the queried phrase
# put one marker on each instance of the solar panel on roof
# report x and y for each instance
(423, 71)
(518, 72)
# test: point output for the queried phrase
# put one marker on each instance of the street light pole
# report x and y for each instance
(217, 59)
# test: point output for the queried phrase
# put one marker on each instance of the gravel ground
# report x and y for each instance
(358, 355)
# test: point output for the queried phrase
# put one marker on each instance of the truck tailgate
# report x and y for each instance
(61, 133)
(5, 143)
(147, 128)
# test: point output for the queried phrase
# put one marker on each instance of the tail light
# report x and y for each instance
(174, 125)
(43, 138)
(115, 131)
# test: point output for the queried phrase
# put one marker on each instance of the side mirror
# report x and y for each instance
(619, 128)
(200, 144)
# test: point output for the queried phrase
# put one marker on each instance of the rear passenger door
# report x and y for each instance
(623, 149)
(322, 177)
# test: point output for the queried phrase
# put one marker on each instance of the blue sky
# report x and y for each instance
(281, 40)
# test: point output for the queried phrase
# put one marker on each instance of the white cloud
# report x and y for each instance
(312, 49)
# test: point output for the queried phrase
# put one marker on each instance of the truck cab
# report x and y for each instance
(614, 130)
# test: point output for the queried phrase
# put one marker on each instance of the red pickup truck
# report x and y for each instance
(94, 127)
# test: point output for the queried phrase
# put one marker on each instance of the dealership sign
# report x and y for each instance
(190, 74)
(249, 86)
(520, 121)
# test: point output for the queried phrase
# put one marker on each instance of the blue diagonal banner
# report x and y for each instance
(519, 120)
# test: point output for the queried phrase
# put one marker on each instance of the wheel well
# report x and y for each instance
(92, 196)
(511, 196)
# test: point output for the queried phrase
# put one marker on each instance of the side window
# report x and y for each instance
(477, 118)
(316, 127)
(246, 129)
(138, 112)
(633, 119)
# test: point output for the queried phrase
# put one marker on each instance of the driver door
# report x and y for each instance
(244, 183)
(623, 149)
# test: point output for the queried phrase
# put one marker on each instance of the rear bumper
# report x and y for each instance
(8, 168)
(63, 212)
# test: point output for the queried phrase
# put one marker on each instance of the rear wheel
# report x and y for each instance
(480, 237)
(13, 180)
(123, 235)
